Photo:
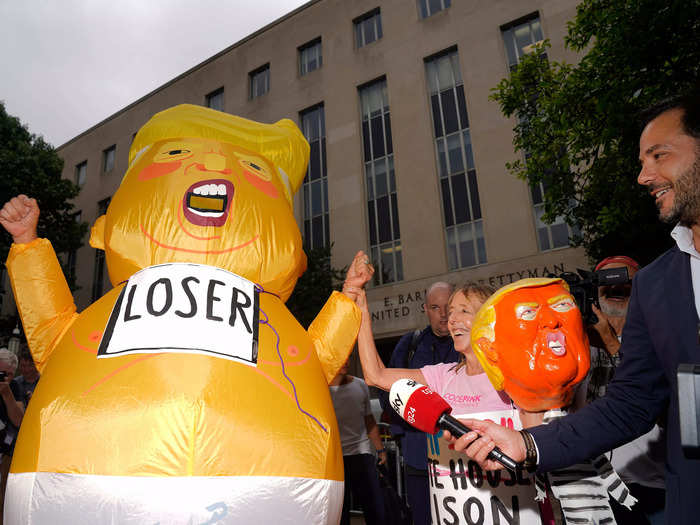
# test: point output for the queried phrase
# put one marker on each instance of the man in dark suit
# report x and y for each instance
(661, 332)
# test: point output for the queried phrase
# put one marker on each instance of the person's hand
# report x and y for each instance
(483, 438)
(359, 274)
(19, 216)
(381, 457)
(602, 333)
(5, 389)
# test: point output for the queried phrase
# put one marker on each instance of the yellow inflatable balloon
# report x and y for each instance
(188, 393)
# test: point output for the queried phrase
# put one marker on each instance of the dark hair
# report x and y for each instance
(688, 103)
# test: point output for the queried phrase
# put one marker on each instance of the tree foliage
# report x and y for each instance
(578, 125)
(315, 285)
(31, 166)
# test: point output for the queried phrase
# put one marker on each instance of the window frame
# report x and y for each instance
(310, 184)
(381, 194)
(98, 271)
(456, 167)
(359, 27)
(76, 177)
(425, 9)
(544, 233)
(107, 153)
(209, 97)
(510, 27)
(252, 81)
(304, 48)
(72, 258)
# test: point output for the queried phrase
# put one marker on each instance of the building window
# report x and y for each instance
(457, 172)
(382, 209)
(259, 81)
(81, 173)
(73, 254)
(368, 28)
(310, 57)
(519, 38)
(549, 236)
(315, 186)
(98, 274)
(215, 99)
(430, 7)
(108, 159)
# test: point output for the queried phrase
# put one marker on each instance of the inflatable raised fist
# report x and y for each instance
(529, 338)
(188, 393)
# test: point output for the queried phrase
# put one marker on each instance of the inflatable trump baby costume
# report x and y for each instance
(529, 338)
(188, 393)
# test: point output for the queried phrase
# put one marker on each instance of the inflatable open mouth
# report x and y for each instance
(207, 202)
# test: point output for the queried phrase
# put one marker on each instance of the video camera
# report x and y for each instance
(584, 287)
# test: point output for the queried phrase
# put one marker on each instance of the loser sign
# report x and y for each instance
(187, 308)
(462, 493)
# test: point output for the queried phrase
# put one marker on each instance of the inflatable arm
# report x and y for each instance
(43, 299)
(334, 332)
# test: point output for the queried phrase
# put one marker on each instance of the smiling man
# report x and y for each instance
(660, 333)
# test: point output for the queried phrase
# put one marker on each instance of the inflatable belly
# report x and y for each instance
(171, 436)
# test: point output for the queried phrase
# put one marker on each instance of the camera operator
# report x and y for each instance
(606, 334)
(639, 463)
(11, 413)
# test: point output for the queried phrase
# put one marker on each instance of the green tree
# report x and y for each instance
(578, 125)
(31, 166)
(315, 285)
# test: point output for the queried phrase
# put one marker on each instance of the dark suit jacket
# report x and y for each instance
(661, 332)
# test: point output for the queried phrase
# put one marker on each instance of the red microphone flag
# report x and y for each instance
(418, 404)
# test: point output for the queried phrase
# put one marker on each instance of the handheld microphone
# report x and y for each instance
(425, 410)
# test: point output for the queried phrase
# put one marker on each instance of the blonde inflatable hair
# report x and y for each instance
(470, 288)
(282, 143)
(484, 323)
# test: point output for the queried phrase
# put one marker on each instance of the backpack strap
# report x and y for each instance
(415, 338)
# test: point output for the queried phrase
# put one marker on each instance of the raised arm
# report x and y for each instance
(376, 374)
(43, 298)
(19, 216)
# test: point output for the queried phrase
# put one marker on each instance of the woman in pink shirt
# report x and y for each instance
(464, 385)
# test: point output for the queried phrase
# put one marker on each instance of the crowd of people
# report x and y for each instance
(631, 408)
(626, 407)
(660, 333)
(15, 392)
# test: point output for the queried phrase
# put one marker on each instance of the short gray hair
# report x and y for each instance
(439, 285)
(9, 357)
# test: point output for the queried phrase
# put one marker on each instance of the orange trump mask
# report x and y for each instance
(529, 338)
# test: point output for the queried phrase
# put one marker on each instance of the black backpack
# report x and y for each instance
(395, 509)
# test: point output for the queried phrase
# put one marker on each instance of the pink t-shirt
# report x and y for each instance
(466, 394)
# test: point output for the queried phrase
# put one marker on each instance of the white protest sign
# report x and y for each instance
(462, 493)
(186, 308)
